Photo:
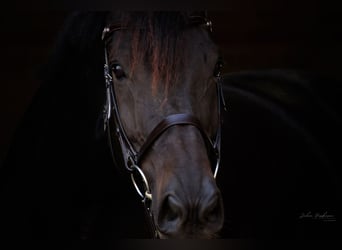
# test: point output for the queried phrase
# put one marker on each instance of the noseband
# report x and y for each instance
(132, 158)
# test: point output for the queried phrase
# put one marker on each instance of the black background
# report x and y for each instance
(302, 36)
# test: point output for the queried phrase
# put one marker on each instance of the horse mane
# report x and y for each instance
(74, 70)
(78, 47)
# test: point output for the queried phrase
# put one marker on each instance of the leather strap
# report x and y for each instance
(166, 123)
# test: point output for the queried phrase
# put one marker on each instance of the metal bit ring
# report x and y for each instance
(147, 194)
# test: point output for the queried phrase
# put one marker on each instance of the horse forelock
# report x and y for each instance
(156, 40)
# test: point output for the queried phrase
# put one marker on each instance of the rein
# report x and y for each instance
(131, 158)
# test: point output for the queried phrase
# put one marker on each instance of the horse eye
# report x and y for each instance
(218, 68)
(118, 71)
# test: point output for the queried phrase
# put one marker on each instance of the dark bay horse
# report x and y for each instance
(162, 74)
(151, 80)
(278, 155)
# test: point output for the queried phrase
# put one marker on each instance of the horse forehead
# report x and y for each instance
(195, 37)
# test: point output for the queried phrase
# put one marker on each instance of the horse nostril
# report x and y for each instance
(170, 215)
(213, 212)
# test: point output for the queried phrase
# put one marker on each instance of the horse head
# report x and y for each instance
(163, 112)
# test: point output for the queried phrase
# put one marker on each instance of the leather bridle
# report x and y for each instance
(132, 158)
